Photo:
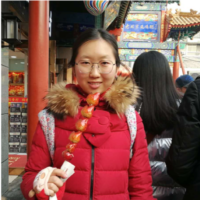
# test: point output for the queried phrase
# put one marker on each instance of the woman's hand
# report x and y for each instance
(55, 182)
(52, 186)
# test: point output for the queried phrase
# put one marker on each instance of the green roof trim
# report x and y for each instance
(148, 6)
(125, 5)
(188, 32)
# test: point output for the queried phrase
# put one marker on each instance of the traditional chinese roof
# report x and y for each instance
(182, 24)
(125, 7)
(183, 18)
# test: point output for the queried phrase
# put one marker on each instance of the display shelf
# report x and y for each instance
(17, 153)
(22, 96)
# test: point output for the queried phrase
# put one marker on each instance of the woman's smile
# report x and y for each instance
(94, 85)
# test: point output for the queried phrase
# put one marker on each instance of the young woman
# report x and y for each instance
(103, 168)
(157, 108)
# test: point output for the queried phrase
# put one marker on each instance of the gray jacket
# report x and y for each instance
(164, 187)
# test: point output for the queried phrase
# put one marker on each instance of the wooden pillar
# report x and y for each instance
(162, 27)
(38, 63)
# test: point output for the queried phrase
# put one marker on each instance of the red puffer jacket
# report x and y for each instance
(103, 169)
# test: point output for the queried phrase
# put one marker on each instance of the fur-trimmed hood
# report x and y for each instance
(63, 101)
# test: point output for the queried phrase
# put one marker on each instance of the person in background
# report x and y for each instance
(183, 160)
(97, 109)
(157, 107)
(183, 82)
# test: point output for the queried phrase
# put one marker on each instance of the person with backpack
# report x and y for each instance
(157, 107)
(93, 127)
(183, 160)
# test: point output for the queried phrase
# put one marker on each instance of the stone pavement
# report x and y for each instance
(14, 191)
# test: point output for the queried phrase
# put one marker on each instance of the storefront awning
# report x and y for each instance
(181, 25)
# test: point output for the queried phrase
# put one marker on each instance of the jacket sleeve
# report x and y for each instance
(184, 151)
(39, 159)
(140, 179)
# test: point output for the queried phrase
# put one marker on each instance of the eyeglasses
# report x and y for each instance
(104, 67)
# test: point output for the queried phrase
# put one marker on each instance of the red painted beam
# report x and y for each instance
(175, 71)
(181, 61)
(38, 63)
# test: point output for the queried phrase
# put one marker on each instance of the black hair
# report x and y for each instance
(94, 34)
(159, 99)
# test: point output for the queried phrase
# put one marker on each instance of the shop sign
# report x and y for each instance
(111, 13)
(142, 26)
(131, 55)
(18, 99)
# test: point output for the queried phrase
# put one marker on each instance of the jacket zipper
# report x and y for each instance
(92, 174)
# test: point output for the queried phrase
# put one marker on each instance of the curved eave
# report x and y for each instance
(185, 26)
(120, 19)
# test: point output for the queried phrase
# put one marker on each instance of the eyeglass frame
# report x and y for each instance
(98, 68)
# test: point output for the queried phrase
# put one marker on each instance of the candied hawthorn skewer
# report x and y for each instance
(71, 147)
(67, 155)
(75, 136)
(81, 125)
(93, 99)
(87, 111)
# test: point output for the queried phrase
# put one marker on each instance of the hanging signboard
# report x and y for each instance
(142, 26)
(111, 13)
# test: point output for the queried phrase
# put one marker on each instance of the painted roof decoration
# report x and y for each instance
(96, 7)
(159, 1)
(182, 24)
(120, 19)
(124, 8)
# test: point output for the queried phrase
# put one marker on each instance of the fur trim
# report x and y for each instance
(122, 94)
(62, 101)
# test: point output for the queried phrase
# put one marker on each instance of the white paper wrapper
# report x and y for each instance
(69, 168)
(53, 198)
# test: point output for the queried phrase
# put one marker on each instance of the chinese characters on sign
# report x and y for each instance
(18, 99)
(141, 27)
(12, 160)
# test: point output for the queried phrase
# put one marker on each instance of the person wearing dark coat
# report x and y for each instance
(183, 160)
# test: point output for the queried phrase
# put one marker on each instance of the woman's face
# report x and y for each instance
(95, 51)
